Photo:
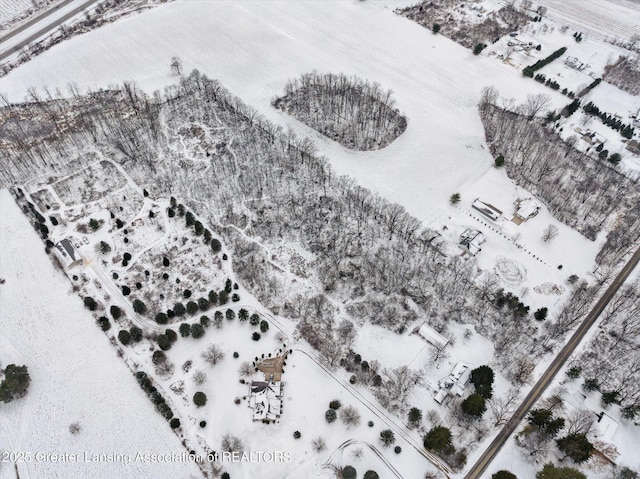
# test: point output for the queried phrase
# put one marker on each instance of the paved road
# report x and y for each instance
(492, 451)
(49, 27)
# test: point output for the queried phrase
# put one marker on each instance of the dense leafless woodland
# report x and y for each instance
(625, 74)
(582, 192)
(353, 112)
(612, 358)
(352, 255)
(462, 30)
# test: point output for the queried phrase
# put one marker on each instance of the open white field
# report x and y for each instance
(75, 374)
(610, 19)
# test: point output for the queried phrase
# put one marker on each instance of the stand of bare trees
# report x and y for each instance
(355, 113)
(565, 178)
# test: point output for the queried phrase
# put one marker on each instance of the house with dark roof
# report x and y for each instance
(67, 253)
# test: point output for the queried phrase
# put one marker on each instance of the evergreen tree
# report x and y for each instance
(15, 383)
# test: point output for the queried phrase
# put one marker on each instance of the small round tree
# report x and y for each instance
(503, 474)
(264, 326)
(438, 439)
(474, 405)
(349, 472)
(124, 336)
(197, 331)
(330, 415)
(174, 423)
(139, 306)
(200, 399)
(370, 474)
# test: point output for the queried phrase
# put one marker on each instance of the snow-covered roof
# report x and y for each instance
(487, 209)
(527, 208)
(265, 400)
(431, 336)
(67, 253)
(471, 240)
(607, 427)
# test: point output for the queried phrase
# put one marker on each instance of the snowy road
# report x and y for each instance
(536, 392)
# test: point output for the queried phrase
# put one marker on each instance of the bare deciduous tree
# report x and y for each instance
(213, 354)
(231, 443)
(550, 232)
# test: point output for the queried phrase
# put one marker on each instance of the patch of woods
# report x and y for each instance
(624, 73)
(567, 179)
(357, 114)
(610, 364)
(438, 17)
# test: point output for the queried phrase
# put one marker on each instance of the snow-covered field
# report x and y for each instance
(13, 11)
(76, 375)
(254, 48)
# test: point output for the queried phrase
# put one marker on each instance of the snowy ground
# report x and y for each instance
(13, 11)
(253, 48)
(45, 326)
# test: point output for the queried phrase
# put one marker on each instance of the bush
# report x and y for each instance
(139, 307)
(455, 198)
(197, 331)
(502, 474)
(435, 28)
(125, 337)
(256, 336)
(541, 314)
(158, 357)
(474, 405)
(397, 449)
(223, 297)
(90, 303)
(174, 423)
(136, 334)
(192, 307)
(254, 320)
(203, 424)
(297, 435)
(162, 318)
(335, 404)
(499, 162)
(478, 48)
(576, 446)
(179, 309)
(104, 323)
(349, 472)
(164, 343)
(264, 326)
(387, 437)
(438, 439)
(330, 415)
(115, 311)
(230, 314)
(216, 246)
(185, 330)
(15, 383)
(200, 399)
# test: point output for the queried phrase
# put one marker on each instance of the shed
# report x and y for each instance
(431, 336)
(486, 209)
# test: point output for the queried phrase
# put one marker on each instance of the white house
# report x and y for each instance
(454, 383)
(266, 400)
(470, 240)
(573, 62)
(525, 209)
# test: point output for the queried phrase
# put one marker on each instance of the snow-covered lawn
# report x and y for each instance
(75, 372)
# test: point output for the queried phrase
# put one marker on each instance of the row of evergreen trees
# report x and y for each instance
(611, 121)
